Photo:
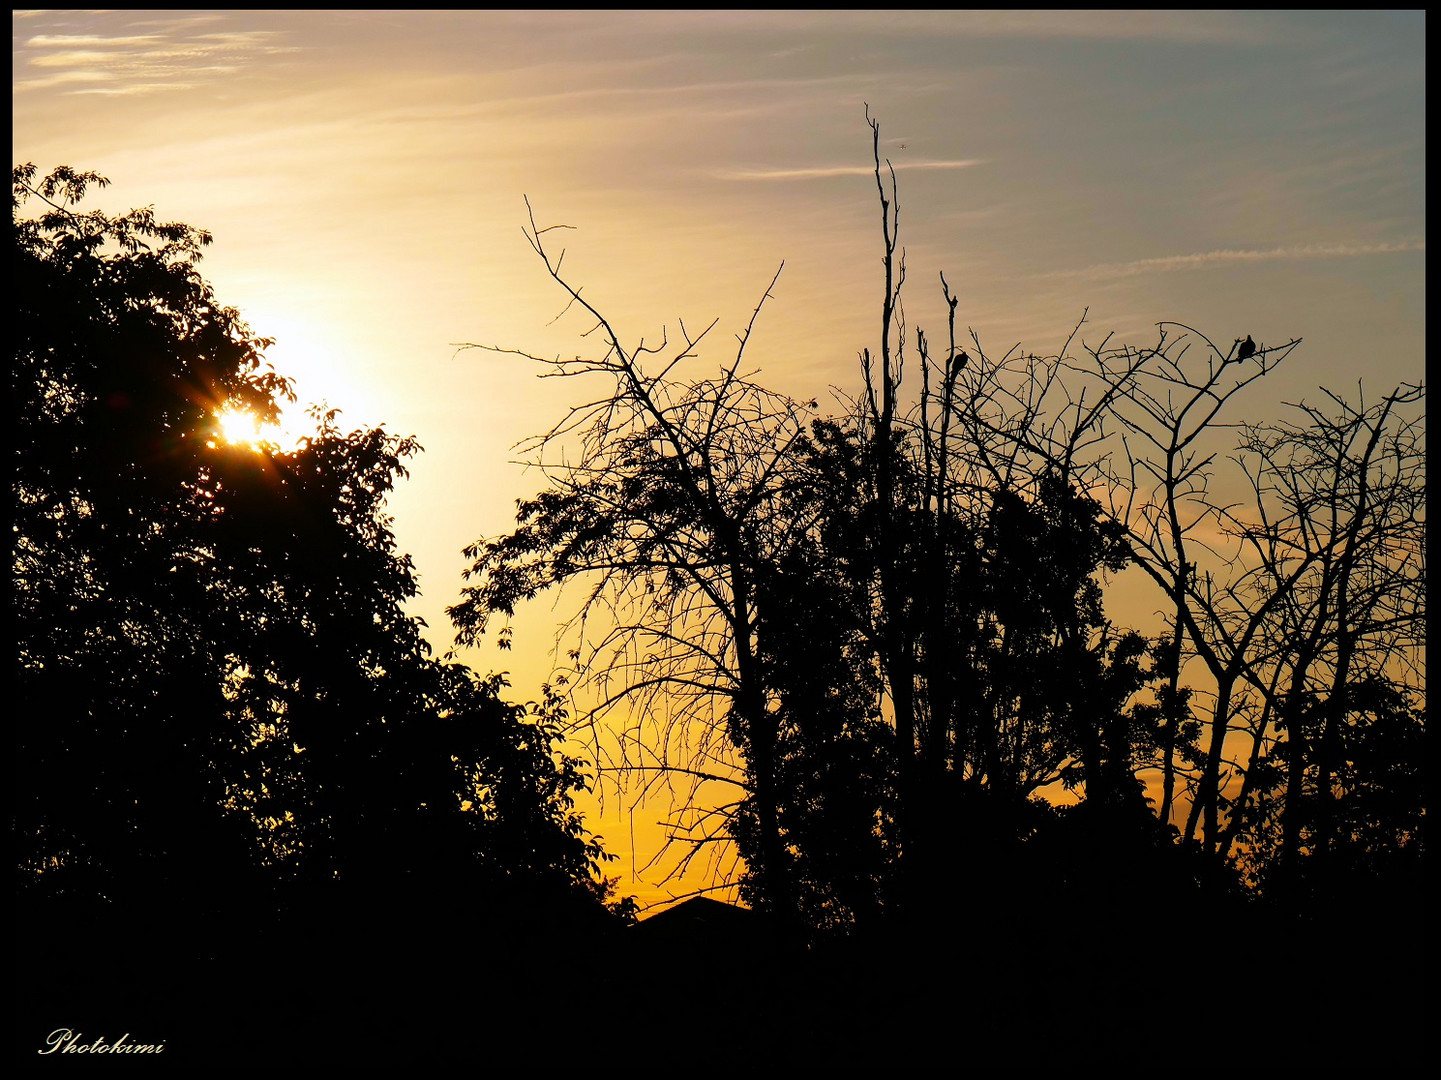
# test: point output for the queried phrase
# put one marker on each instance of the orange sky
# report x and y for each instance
(363, 175)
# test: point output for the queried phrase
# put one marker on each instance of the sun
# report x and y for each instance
(239, 427)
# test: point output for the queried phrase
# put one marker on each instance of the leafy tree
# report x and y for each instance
(222, 692)
(835, 759)
(122, 361)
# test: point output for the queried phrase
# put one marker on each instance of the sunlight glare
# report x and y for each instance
(241, 428)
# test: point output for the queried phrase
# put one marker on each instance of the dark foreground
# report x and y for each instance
(416, 986)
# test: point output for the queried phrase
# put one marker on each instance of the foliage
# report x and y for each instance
(122, 359)
(219, 687)
(835, 760)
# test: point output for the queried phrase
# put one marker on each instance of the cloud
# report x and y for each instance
(1220, 27)
(71, 41)
(172, 59)
(1202, 260)
(61, 78)
(827, 171)
(73, 58)
(1182, 26)
(134, 89)
(240, 39)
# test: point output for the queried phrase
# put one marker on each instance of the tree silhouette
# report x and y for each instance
(887, 628)
(1338, 534)
(222, 693)
(794, 584)
(972, 536)
(667, 514)
(122, 360)
(836, 787)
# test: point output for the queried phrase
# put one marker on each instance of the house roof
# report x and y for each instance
(700, 916)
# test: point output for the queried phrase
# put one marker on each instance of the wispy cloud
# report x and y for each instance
(136, 64)
(134, 89)
(827, 171)
(71, 41)
(1185, 26)
(61, 78)
(1202, 260)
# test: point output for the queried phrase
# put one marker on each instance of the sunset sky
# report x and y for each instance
(363, 175)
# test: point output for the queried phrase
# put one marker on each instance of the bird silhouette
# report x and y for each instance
(1247, 350)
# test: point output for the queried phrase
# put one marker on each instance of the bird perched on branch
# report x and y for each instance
(1247, 349)
(959, 361)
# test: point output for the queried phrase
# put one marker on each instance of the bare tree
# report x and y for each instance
(1301, 603)
(1142, 429)
(1337, 533)
(949, 550)
(1172, 412)
(665, 514)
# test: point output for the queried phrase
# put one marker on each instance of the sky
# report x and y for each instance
(364, 175)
